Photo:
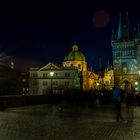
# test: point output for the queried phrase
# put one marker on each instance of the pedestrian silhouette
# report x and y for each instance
(117, 98)
(129, 99)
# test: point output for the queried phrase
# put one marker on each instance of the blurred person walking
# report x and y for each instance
(117, 98)
(129, 99)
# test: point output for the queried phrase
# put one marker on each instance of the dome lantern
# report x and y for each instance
(74, 48)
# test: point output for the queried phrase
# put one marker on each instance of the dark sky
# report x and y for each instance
(36, 33)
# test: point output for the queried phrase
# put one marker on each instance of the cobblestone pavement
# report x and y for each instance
(60, 122)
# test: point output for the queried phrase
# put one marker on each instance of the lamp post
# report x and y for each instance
(97, 84)
(51, 75)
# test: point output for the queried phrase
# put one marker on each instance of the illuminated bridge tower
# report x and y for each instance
(126, 53)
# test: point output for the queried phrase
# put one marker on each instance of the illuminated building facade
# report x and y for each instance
(108, 79)
(76, 59)
(126, 53)
(53, 79)
(73, 75)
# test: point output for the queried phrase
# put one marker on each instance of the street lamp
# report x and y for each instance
(51, 75)
(97, 84)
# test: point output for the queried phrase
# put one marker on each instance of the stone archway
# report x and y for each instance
(124, 81)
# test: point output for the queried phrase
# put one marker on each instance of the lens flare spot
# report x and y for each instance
(101, 19)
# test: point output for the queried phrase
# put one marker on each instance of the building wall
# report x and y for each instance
(63, 79)
(108, 79)
(89, 78)
(80, 65)
(125, 60)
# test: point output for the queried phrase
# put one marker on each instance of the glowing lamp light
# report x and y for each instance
(136, 83)
(51, 73)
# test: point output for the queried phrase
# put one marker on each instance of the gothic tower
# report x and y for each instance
(126, 53)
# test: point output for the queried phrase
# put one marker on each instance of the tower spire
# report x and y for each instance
(127, 26)
(123, 29)
(120, 28)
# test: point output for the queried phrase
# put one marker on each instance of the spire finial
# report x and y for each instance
(127, 26)
(74, 47)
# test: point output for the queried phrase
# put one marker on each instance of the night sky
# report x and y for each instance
(36, 33)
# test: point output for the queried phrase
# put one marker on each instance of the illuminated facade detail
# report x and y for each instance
(126, 53)
(76, 59)
(93, 79)
(72, 75)
(108, 79)
(53, 79)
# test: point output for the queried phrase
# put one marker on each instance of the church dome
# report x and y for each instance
(75, 55)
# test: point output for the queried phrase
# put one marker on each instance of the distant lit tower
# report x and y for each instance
(126, 52)
(6, 62)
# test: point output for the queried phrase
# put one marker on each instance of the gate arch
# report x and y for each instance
(124, 80)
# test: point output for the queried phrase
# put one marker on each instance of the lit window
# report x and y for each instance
(124, 70)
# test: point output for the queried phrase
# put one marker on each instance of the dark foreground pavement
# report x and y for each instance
(67, 122)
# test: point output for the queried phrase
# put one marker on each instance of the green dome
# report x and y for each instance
(75, 55)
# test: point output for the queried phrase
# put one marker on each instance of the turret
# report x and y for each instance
(119, 36)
